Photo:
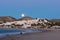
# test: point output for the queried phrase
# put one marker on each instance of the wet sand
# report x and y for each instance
(51, 35)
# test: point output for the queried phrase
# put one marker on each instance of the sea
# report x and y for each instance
(6, 31)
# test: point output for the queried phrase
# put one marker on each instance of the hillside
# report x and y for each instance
(26, 18)
(7, 19)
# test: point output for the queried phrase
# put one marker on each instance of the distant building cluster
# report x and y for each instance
(25, 22)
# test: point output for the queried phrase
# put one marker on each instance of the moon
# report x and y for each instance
(22, 15)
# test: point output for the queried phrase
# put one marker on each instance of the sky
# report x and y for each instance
(33, 8)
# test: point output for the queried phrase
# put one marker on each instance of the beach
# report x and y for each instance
(51, 35)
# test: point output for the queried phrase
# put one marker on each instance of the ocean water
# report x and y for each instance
(4, 32)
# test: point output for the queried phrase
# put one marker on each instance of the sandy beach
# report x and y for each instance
(51, 35)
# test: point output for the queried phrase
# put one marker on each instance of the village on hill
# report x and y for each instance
(27, 22)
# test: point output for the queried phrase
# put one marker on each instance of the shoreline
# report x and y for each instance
(27, 31)
(17, 36)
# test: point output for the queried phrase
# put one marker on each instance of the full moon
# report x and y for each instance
(22, 15)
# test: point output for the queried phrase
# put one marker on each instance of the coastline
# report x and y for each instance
(8, 32)
(28, 36)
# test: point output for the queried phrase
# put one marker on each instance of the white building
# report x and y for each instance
(25, 22)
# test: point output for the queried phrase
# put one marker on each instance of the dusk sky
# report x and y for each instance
(33, 8)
